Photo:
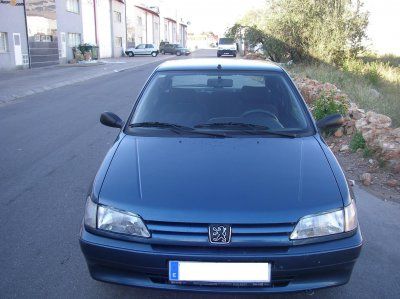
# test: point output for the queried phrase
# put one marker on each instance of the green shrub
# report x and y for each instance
(357, 142)
(371, 73)
(369, 70)
(326, 104)
(367, 152)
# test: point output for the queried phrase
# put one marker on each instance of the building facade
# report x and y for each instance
(44, 32)
(13, 41)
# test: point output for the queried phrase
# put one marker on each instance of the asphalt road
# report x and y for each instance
(51, 145)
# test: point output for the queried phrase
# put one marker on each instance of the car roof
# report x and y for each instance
(212, 64)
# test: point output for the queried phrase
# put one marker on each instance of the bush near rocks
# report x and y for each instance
(357, 142)
(328, 103)
(254, 56)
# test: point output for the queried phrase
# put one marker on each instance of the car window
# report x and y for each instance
(226, 41)
(141, 46)
(193, 98)
(149, 46)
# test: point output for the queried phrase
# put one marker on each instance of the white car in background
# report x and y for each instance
(227, 46)
(142, 49)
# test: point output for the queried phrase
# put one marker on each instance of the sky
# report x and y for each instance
(213, 15)
(217, 15)
(384, 25)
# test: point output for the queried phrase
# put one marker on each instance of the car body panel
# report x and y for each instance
(279, 178)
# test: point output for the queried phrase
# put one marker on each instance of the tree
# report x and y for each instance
(300, 30)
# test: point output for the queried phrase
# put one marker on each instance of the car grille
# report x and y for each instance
(272, 235)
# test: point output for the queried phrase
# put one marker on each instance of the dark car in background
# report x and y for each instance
(219, 181)
(175, 49)
(162, 46)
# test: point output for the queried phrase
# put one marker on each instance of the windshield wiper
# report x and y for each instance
(156, 124)
(231, 124)
(178, 129)
(249, 128)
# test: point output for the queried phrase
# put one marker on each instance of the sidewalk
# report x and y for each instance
(21, 83)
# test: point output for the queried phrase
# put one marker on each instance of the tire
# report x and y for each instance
(154, 54)
(178, 53)
(162, 52)
(130, 54)
(234, 55)
(218, 55)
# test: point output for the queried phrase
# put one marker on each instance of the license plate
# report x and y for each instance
(219, 272)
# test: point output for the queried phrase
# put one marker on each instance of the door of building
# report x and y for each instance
(17, 48)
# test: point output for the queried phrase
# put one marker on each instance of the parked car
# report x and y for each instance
(142, 49)
(162, 45)
(219, 181)
(175, 49)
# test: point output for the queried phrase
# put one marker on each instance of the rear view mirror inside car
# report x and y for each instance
(219, 83)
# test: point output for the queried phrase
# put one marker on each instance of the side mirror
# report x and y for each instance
(330, 121)
(110, 119)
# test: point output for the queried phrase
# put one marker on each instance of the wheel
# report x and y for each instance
(234, 55)
(178, 53)
(130, 54)
(162, 52)
(154, 54)
(218, 55)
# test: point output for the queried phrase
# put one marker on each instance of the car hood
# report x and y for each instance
(211, 180)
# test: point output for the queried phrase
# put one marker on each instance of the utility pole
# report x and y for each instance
(27, 37)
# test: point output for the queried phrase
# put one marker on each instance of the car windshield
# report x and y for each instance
(233, 102)
(226, 41)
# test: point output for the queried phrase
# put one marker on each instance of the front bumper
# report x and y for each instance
(226, 52)
(302, 267)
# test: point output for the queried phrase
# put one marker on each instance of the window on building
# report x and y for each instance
(74, 39)
(3, 42)
(139, 21)
(118, 41)
(117, 17)
(72, 6)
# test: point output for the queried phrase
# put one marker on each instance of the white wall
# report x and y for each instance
(104, 36)
(119, 28)
(88, 30)
(149, 28)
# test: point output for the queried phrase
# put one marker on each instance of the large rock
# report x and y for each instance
(366, 179)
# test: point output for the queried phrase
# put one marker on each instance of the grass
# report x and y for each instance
(361, 79)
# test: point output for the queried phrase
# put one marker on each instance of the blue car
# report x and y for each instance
(219, 181)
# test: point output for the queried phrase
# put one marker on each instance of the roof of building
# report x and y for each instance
(212, 64)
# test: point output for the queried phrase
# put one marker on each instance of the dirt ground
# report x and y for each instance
(354, 164)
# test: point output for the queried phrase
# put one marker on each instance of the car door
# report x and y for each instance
(168, 48)
(140, 49)
(149, 49)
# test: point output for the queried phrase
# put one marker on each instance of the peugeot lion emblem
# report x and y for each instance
(219, 233)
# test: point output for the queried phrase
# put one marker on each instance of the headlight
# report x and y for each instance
(90, 213)
(220, 48)
(340, 221)
(350, 217)
(113, 220)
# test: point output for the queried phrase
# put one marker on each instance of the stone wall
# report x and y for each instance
(375, 128)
